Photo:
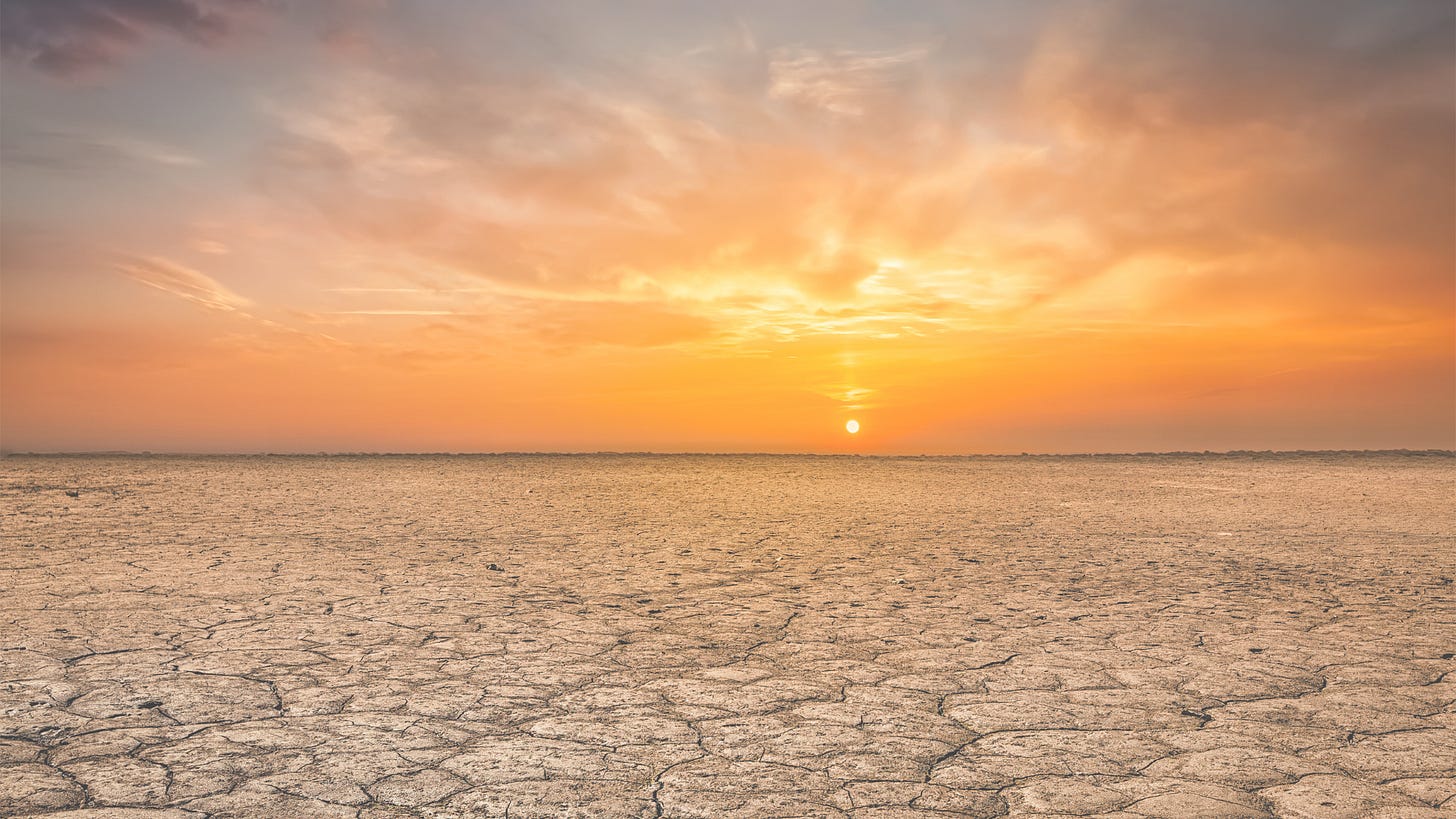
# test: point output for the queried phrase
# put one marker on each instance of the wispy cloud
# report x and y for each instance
(841, 82)
(183, 282)
(409, 291)
(59, 149)
(388, 312)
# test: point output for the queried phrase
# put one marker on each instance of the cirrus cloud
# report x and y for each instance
(183, 282)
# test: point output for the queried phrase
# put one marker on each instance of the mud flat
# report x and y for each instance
(1235, 636)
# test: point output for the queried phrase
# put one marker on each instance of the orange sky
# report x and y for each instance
(974, 227)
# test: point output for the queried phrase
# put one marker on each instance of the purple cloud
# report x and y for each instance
(66, 38)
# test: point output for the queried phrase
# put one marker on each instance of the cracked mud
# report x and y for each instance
(1231, 636)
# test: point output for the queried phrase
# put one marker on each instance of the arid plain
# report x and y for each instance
(637, 636)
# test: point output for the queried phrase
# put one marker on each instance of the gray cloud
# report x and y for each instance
(66, 151)
(70, 37)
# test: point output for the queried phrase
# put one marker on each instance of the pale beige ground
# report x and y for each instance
(1164, 637)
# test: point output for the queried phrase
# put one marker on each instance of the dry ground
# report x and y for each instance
(644, 636)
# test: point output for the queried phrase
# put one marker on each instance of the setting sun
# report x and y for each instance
(851, 426)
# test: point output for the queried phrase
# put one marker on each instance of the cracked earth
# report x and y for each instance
(1233, 636)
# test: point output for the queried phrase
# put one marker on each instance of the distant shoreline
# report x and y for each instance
(1234, 453)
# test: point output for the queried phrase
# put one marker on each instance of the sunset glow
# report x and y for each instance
(988, 227)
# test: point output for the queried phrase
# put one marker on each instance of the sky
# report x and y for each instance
(973, 227)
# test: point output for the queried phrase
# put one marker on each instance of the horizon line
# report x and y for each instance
(126, 453)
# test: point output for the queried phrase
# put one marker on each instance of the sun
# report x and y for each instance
(851, 426)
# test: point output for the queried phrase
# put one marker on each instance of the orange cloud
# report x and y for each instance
(1067, 226)
(184, 283)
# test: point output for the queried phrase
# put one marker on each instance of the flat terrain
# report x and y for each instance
(1234, 636)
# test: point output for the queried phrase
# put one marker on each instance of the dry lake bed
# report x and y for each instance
(639, 636)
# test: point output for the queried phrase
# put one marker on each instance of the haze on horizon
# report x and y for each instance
(243, 225)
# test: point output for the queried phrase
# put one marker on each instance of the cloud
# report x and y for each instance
(766, 184)
(184, 283)
(392, 312)
(842, 82)
(67, 38)
(1169, 65)
(70, 152)
(1017, 171)
(1276, 149)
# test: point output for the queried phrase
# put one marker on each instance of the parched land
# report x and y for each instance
(1234, 636)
